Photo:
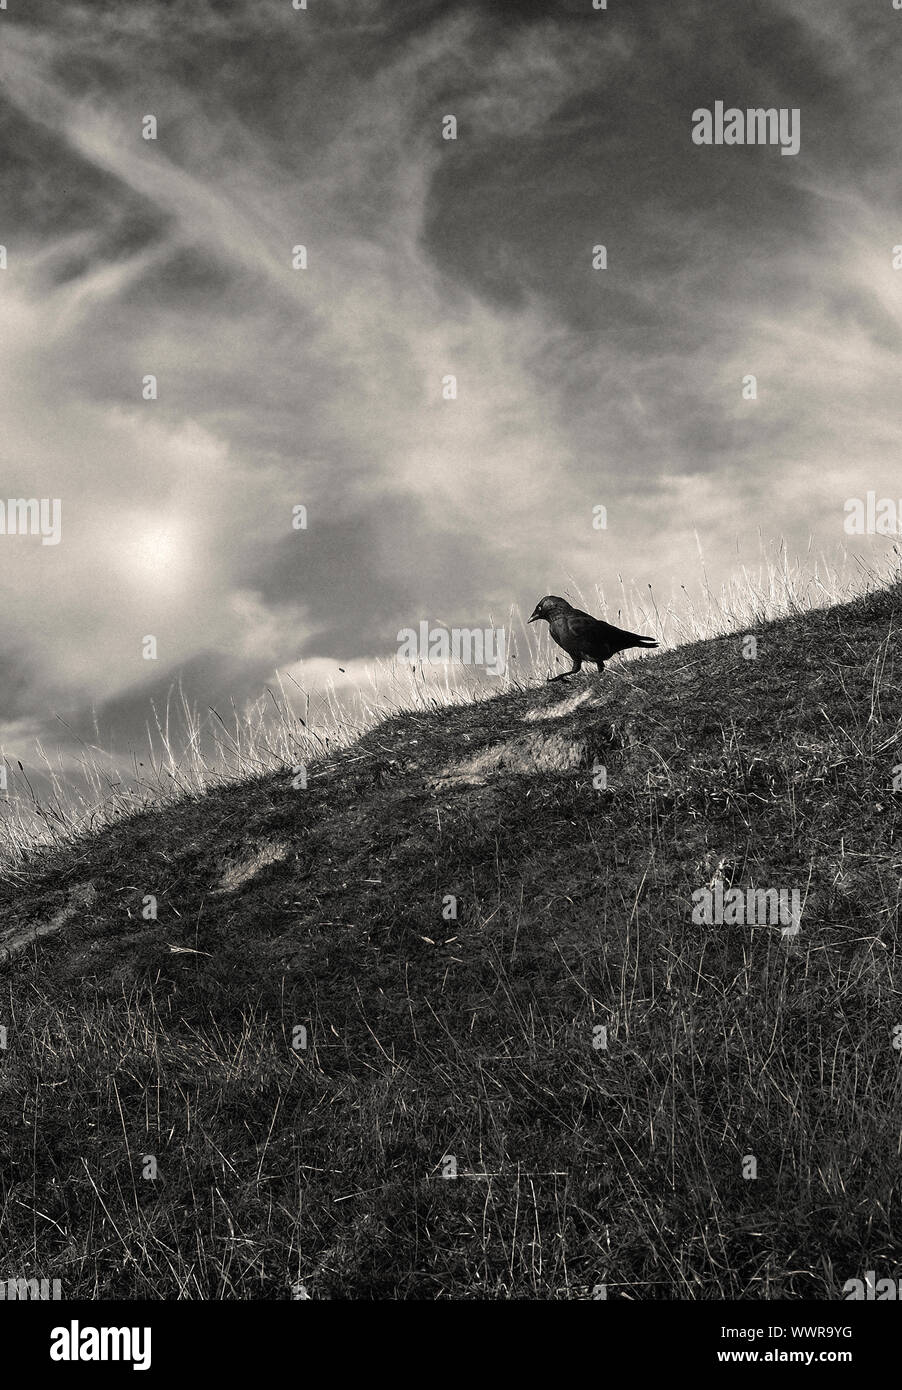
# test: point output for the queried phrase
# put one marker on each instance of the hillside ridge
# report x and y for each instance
(446, 916)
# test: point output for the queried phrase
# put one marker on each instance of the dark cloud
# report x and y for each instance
(381, 571)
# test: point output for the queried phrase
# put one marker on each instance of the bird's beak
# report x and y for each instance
(535, 615)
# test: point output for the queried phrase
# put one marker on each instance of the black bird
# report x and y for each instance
(582, 637)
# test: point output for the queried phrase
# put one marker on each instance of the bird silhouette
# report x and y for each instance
(583, 637)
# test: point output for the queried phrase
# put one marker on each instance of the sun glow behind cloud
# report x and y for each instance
(157, 555)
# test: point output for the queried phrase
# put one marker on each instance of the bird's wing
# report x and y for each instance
(602, 631)
(587, 629)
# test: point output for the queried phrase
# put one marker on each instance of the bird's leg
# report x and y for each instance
(565, 675)
(600, 665)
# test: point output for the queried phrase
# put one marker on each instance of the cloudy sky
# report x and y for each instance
(426, 257)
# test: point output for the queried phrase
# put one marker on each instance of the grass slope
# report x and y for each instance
(290, 1172)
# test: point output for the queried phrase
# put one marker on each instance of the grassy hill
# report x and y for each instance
(137, 1046)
